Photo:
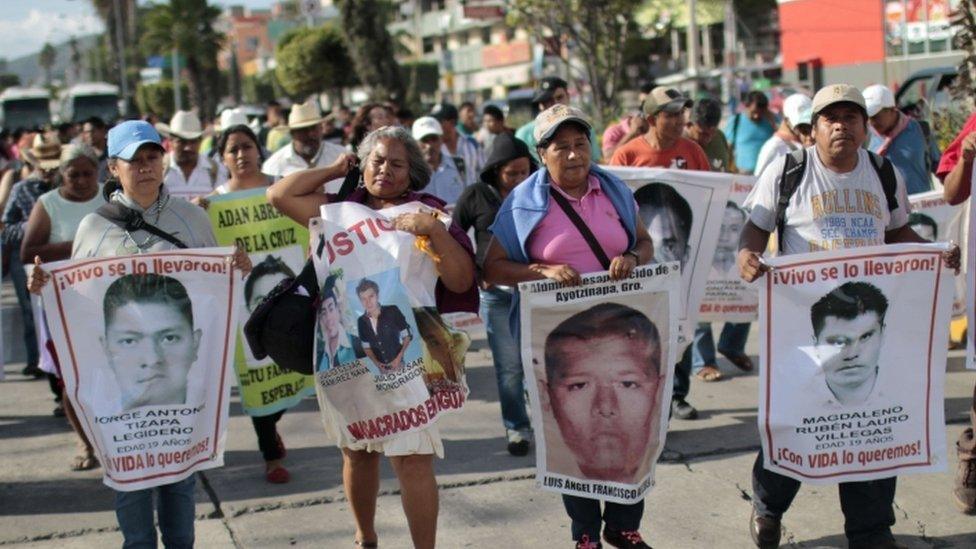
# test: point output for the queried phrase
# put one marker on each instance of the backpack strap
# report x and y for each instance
(794, 166)
(584, 231)
(131, 220)
(886, 173)
(735, 129)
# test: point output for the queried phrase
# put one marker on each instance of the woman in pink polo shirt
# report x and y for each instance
(533, 238)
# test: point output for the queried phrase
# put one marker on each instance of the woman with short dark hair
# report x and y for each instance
(533, 239)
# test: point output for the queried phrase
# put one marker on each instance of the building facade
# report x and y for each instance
(864, 42)
(478, 55)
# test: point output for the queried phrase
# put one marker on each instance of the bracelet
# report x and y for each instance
(634, 254)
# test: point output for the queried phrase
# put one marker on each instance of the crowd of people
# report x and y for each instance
(496, 181)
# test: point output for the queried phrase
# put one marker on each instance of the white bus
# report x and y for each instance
(83, 101)
(24, 108)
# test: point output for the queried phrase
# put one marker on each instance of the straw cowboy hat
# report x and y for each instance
(305, 115)
(184, 125)
(45, 153)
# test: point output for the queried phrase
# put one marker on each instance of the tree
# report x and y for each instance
(158, 98)
(313, 60)
(187, 26)
(46, 60)
(964, 19)
(586, 31)
(363, 23)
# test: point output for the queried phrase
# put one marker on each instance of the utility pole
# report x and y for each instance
(120, 44)
(728, 77)
(693, 51)
(177, 96)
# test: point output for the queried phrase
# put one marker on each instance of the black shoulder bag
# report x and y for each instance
(581, 227)
(282, 326)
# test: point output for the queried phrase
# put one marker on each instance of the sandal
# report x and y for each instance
(85, 461)
(742, 362)
(709, 372)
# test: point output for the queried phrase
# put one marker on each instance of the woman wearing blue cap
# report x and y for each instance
(136, 164)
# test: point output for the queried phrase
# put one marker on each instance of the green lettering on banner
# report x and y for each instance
(246, 218)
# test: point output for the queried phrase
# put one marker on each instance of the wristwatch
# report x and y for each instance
(633, 253)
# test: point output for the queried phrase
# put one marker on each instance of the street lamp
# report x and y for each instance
(120, 43)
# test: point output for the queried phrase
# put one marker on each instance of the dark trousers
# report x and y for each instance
(265, 427)
(868, 515)
(682, 375)
(587, 517)
(966, 446)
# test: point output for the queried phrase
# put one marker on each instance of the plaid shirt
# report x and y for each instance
(22, 198)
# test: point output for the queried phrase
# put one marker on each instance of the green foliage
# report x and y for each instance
(965, 40)
(595, 31)
(259, 88)
(8, 80)
(421, 78)
(187, 26)
(363, 24)
(158, 98)
(313, 60)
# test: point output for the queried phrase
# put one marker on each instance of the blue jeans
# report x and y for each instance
(19, 279)
(587, 518)
(731, 343)
(134, 511)
(505, 353)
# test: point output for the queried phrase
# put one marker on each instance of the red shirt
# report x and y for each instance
(952, 154)
(684, 155)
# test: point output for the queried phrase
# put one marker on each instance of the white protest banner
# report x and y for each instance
(683, 211)
(971, 282)
(852, 363)
(599, 367)
(936, 220)
(727, 297)
(146, 344)
(386, 363)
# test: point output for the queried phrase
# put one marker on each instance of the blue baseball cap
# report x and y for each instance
(126, 138)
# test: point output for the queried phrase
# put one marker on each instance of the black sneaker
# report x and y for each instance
(624, 539)
(682, 410)
(518, 443)
(31, 370)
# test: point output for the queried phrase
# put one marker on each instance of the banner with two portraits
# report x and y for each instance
(599, 367)
(277, 247)
(146, 344)
(684, 211)
(386, 363)
(853, 363)
(936, 220)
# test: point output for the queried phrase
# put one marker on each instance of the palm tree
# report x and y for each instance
(187, 26)
(46, 60)
(363, 22)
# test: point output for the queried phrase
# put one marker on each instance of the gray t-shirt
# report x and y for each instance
(829, 210)
(99, 237)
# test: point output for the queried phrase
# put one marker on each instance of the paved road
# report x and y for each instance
(488, 499)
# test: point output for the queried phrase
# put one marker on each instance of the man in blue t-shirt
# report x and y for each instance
(748, 130)
(898, 137)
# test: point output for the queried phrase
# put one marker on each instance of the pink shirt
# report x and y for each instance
(616, 132)
(556, 241)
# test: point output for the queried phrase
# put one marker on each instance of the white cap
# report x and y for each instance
(794, 107)
(878, 97)
(232, 117)
(426, 125)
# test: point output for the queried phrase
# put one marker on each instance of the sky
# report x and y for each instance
(25, 26)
